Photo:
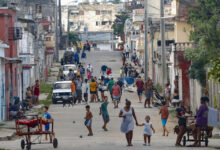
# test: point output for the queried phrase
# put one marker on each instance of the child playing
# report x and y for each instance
(104, 112)
(88, 121)
(46, 117)
(147, 130)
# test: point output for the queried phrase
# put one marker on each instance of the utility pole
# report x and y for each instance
(68, 27)
(146, 38)
(163, 44)
(60, 23)
(152, 46)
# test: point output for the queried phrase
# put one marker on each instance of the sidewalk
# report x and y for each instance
(7, 128)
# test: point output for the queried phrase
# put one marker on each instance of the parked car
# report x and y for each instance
(66, 68)
(62, 92)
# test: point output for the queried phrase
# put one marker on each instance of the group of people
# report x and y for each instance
(127, 113)
(19, 106)
(32, 94)
(127, 70)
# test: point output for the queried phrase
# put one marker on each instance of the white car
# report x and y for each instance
(66, 68)
(62, 92)
(70, 49)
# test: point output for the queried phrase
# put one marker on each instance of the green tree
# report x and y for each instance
(73, 38)
(118, 25)
(205, 20)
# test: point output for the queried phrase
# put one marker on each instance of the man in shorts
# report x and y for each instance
(104, 112)
(149, 92)
(116, 92)
(73, 90)
(140, 88)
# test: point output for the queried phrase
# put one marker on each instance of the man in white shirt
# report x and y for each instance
(127, 51)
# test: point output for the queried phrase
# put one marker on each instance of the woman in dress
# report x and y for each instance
(127, 125)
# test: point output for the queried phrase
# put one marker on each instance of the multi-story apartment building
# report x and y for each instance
(93, 22)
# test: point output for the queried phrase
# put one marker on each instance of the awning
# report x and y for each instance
(13, 59)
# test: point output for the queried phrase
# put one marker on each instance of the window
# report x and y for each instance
(110, 22)
(97, 12)
(71, 23)
(48, 38)
(97, 23)
(104, 22)
(104, 12)
(38, 8)
(109, 12)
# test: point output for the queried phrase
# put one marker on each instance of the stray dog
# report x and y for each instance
(69, 102)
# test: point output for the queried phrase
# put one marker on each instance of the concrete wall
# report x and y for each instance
(182, 32)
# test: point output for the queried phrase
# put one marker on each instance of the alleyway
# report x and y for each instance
(69, 122)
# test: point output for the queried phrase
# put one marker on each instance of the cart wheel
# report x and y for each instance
(206, 142)
(28, 147)
(22, 144)
(184, 141)
(55, 143)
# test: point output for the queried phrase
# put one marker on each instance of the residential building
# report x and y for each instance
(10, 34)
(2, 81)
(92, 22)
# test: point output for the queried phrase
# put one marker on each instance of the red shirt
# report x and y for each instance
(109, 72)
(116, 90)
(140, 85)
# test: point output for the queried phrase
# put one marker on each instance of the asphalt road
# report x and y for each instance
(72, 134)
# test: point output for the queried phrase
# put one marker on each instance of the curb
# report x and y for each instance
(8, 138)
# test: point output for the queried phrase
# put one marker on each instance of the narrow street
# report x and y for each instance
(72, 134)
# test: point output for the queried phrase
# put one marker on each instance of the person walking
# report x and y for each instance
(104, 70)
(121, 84)
(88, 46)
(89, 70)
(101, 88)
(36, 92)
(76, 56)
(104, 113)
(180, 114)
(79, 89)
(73, 90)
(86, 91)
(83, 57)
(97, 94)
(127, 125)
(127, 51)
(147, 130)
(88, 120)
(82, 72)
(110, 85)
(164, 116)
(201, 121)
(140, 88)
(149, 92)
(116, 92)
(167, 92)
(92, 90)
